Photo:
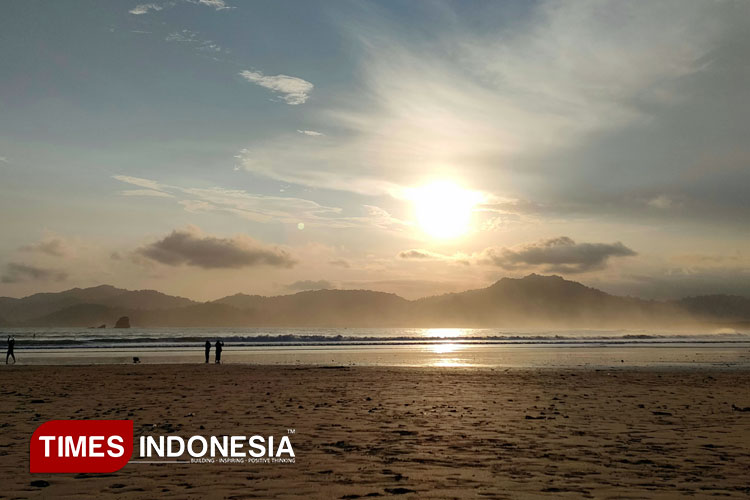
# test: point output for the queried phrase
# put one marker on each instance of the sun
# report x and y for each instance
(443, 209)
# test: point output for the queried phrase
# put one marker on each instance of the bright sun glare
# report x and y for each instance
(444, 209)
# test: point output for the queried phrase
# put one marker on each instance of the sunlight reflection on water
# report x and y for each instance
(447, 348)
(442, 333)
(444, 348)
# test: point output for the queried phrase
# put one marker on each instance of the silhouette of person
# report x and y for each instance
(208, 350)
(11, 346)
(219, 347)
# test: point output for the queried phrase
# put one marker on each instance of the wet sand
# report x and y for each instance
(698, 356)
(392, 431)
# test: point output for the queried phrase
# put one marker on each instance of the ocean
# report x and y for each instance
(449, 347)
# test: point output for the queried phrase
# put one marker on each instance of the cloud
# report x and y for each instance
(50, 246)
(145, 192)
(18, 273)
(310, 285)
(312, 133)
(662, 201)
(216, 4)
(184, 36)
(381, 218)
(144, 8)
(292, 89)
(340, 263)
(190, 247)
(561, 255)
(326, 162)
(191, 37)
(4, 159)
(420, 255)
(197, 206)
(701, 261)
(150, 188)
(463, 101)
(261, 208)
(139, 181)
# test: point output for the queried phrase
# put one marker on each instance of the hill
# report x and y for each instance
(532, 301)
(33, 307)
(324, 308)
(542, 301)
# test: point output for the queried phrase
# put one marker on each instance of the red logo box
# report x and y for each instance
(81, 446)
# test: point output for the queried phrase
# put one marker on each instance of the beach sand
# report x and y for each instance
(406, 432)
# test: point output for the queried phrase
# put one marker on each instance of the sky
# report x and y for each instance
(210, 147)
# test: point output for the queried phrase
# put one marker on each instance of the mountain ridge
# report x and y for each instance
(534, 300)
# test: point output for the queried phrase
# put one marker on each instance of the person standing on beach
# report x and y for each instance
(219, 347)
(11, 346)
(208, 350)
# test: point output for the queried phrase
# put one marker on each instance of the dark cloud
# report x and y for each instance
(54, 247)
(17, 273)
(310, 285)
(194, 249)
(419, 254)
(561, 255)
(416, 254)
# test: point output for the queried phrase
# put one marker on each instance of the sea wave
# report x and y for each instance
(145, 339)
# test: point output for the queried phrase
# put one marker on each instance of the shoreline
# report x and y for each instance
(441, 354)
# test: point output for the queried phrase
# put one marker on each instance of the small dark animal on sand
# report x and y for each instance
(136, 359)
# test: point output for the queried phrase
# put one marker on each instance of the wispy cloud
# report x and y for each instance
(312, 133)
(292, 90)
(183, 36)
(485, 102)
(54, 247)
(145, 192)
(216, 4)
(144, 8)
(197, 206)
(191, 247)
(262, 208)
(190, 37)
(329, 163)
(139, 181)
